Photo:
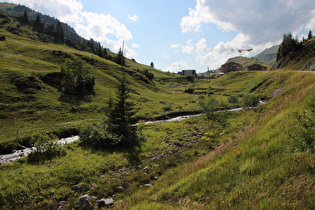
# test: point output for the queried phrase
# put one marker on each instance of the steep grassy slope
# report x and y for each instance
(257, 169)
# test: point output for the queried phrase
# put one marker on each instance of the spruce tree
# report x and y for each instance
(38, 25)
(310, 35)
(120, 59)
(60, 32)
(25, 18)
(100, 51)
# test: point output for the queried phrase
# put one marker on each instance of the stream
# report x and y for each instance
(7, 158)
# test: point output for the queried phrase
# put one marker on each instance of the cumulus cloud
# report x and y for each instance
(133, 17)
(65, 10)
(201, 44)
(134, 45)
(103, 28)
(188, 48)
(100, 27)
(177, 66)
(261, 21)
(218, 55)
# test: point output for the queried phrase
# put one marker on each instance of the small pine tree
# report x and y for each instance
(38, 25)
(25, 17)
(100, 51)
(60, 34)
(120, 59)
(117, 129)
(152, 65)
(310, 35)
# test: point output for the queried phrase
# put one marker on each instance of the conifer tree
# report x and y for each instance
(38, 25)
(60, 32)
(310, 35)
(25, 18)
(100, 51)
(120, 59)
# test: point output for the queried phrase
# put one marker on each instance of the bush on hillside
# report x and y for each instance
(250, 100)
(233, 99)
(46, 149)
(303, 133)
(77, 78)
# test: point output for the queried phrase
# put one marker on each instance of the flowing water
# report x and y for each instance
(24, 152)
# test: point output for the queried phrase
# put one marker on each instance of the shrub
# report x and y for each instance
(100, 136)
(303, 133)
(46, 149)
(233, 99)
(76, 78)
(250, 100)
(189, 90)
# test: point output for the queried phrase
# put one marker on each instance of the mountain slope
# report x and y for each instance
(18, 11)
(28, 104)
(268, 56)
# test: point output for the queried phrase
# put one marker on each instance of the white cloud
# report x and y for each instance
(201, 44)
(175, 46)
(177, 66)
(261, 21)
(134, 45)
(100, 27)
(133, 17)
(215, 57)
(166, 55)
(188, 48)
(65, 10)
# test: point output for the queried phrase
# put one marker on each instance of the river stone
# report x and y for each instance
(105, 202)
(84, 200)
(147, 185)
(120, 188)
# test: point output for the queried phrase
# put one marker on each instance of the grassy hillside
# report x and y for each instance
(258, 168)
(28, 104)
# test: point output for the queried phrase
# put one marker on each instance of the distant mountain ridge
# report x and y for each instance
(18, 11)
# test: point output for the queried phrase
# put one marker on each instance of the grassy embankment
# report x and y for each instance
(260, 168)
(248, 164)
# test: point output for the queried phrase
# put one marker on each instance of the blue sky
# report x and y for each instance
(182, 34)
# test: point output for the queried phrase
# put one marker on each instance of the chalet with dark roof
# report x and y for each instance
(256, 67)
(230, 67)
